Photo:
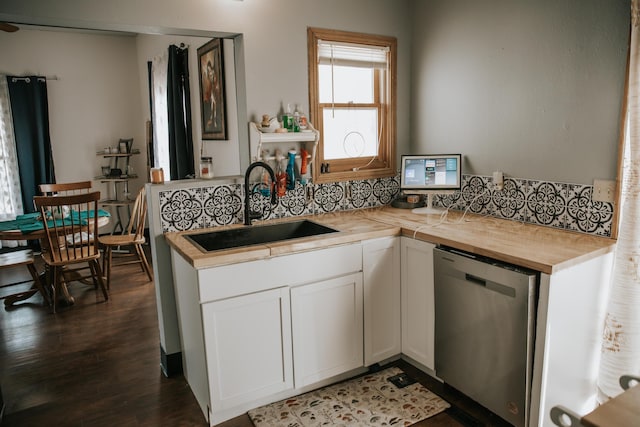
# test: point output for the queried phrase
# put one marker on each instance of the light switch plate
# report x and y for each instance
(603, 191)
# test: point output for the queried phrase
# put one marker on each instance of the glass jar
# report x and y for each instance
(206, 167)
(157, 176)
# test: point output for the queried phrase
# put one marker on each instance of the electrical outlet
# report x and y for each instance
(603, 191)
(498, 180)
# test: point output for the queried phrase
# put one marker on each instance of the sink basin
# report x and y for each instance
(256, 235)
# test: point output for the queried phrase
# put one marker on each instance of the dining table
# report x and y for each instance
(621, 411)
(29, 226)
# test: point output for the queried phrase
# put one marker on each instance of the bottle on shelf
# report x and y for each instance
(287, 119)
(281, 176)
(296, 119)
(304, 169)
(291, 174)
(303, 122)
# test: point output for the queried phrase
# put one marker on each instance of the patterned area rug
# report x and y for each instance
(369, 400)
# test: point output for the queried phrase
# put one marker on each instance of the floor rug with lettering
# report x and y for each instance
(384, 398)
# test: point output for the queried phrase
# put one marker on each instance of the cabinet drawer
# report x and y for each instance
(299, 268)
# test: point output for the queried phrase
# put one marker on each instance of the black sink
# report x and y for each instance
(256, 235)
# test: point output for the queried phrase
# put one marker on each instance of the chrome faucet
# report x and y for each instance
(248, 213)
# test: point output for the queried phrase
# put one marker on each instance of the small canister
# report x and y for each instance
(206, 167)
(157, 176)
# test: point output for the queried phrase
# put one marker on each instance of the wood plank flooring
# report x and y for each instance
(97, 364)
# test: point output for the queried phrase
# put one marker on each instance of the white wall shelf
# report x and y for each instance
(307, 140)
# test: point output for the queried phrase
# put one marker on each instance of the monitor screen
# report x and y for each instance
(435, 172)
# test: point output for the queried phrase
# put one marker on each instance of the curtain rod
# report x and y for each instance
(28, 79)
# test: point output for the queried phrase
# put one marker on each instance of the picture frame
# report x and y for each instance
(213, 109)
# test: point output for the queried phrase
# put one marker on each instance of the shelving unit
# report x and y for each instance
(307, 140)
(118, 199)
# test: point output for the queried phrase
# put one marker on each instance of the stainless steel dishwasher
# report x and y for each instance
(485, 319)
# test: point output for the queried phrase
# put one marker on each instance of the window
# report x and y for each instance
(352, 98)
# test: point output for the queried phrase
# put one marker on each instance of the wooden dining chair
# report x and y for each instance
(66, 189)
(70, 242)
(132, 238)
(15, 259)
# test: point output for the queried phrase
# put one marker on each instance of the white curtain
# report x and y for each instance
(10, 193)
(621, 339)
(159, 71)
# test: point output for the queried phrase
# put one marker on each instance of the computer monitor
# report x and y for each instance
(430, 174)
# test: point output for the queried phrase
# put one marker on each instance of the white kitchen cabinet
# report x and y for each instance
(417, 295)
(327, 328)
(236, 325)
(248, 341)
(381, 275)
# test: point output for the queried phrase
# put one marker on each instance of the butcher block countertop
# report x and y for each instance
(353, 227)
(540, 248)
(544, 249)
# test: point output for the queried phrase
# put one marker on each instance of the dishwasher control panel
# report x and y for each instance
(487, 260)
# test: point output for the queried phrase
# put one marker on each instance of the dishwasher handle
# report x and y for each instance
(475, 279)
(489, 285)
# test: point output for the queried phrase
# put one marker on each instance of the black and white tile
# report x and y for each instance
(546, 203)
(385, 190)
(295, 202)
(222, 205)
(552, 204)
(201, 207)
(585, 215)
(558, 205)
(370, 193)
(329, 197)
(181, 210)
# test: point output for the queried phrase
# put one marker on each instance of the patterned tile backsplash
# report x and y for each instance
(558, 205)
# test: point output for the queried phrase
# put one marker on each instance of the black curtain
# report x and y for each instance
(151, 157)
(30, 110)
(179, 105)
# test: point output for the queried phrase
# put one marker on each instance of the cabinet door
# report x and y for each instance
(248, 347)
(381, 276)
(326, 321)
(418, 310)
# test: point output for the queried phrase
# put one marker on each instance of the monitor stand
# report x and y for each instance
(429, 209)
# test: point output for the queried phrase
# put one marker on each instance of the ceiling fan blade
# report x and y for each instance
(9, 28)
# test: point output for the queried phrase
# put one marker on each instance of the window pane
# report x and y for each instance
(350, 84)
(350, 132)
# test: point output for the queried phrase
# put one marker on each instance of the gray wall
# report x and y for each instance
(532, 88)
(275, 38)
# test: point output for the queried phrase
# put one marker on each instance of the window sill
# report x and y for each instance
(341, 176)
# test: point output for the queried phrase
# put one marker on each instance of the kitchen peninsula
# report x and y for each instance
(229, 298)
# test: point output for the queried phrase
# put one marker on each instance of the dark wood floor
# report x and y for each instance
(97, 364)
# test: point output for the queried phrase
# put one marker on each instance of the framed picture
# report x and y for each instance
(213, 106)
